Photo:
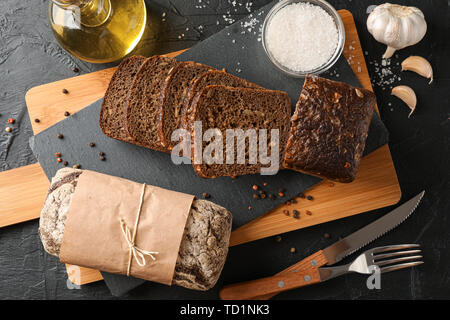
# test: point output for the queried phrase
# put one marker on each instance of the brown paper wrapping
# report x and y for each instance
(93, 237)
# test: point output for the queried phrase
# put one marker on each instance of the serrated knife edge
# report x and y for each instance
(372, 231)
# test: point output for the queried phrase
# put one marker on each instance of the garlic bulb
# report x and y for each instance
(396, 26)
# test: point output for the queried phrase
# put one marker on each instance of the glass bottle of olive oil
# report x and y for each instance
(98, 31)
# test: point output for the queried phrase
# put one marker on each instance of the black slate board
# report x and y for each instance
(237, 50)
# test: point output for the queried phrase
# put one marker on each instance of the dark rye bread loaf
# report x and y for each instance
(329, 129)
(172, 97)
(143, 106)
(203, 248)
(222, 108)
(113, 110)
(213, 77)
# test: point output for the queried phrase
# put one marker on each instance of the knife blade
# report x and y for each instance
(346, 246)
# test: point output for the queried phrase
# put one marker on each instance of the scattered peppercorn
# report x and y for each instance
(65, 163)
(326, 235)
(102, 158)
(281, 194)
(8, 129)
(59, 159)
(58, 154)
(286, 212)
(255, 196)
(301, 195)
(65, 91)
(37, 120)
(308, 212)
(60, 136)
(11, 120)
(263, 195)
(206, 195)
(75, 69)
(91, 144)
(310, 198)
(278, 238)
(265, 184)
(255, 187)
(272, 196)
(346, 165)
(250, 208)
(77, 166)
(67, 113)
(101, 154)
(293, 250)
(295, 214)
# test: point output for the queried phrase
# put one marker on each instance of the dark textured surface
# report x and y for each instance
(29, 56)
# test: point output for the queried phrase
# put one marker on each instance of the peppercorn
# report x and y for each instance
(295, 214)
(250, 208)
(101, 154)
(60, 136)
(75, 69)
(346, 165)
(8, 129)
(263, 195)
(58, 154)
(59, 159)
(102, 158)
(293, 250)
(293, 201)
(255, 187)
(301, 195)
(65, 91)
(91, 144)
(308, 212)
(11, 120)
(286, 212)
(309, 198)
(288, 203)
(278, 238)
(206, 195)
(326, 235)
(265, 184)
(65, 163)
(37, 120)
(255, 196)
(77, 166)
(281, 194)
(67, 113)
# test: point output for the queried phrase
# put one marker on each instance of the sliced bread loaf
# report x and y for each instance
(213, 77)
(172, 97)
(141, 121)
(221, 108)
(112, 113)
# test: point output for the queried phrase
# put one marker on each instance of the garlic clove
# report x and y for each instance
(419, 65)
(407, 95)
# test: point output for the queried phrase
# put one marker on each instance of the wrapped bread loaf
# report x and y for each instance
(204, 245)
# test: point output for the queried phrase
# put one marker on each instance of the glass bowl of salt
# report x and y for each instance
(303, 37)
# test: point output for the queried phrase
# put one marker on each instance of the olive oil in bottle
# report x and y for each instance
(98, 31)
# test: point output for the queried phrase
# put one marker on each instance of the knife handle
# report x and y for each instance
(269, 285)
(314, 261)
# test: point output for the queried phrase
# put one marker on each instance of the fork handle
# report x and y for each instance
(269, 285)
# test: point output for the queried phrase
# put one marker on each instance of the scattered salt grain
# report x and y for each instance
(302, 36)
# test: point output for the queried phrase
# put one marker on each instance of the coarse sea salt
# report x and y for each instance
(302, 36)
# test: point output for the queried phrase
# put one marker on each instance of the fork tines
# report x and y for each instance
(391, 258)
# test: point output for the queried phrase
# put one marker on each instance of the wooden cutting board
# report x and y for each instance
(23, 190)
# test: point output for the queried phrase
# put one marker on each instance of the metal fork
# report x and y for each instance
(388, 258)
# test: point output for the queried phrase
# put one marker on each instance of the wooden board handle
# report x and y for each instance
(314, 261)
(269, 285)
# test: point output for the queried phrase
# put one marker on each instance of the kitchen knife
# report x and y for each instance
(344, 247)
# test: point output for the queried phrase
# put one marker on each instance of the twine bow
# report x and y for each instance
(136, 252)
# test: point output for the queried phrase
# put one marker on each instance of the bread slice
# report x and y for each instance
(221, 108)
(329, 129)
(213, 77)
(112, 113)
(143, 101)
(172, 97)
